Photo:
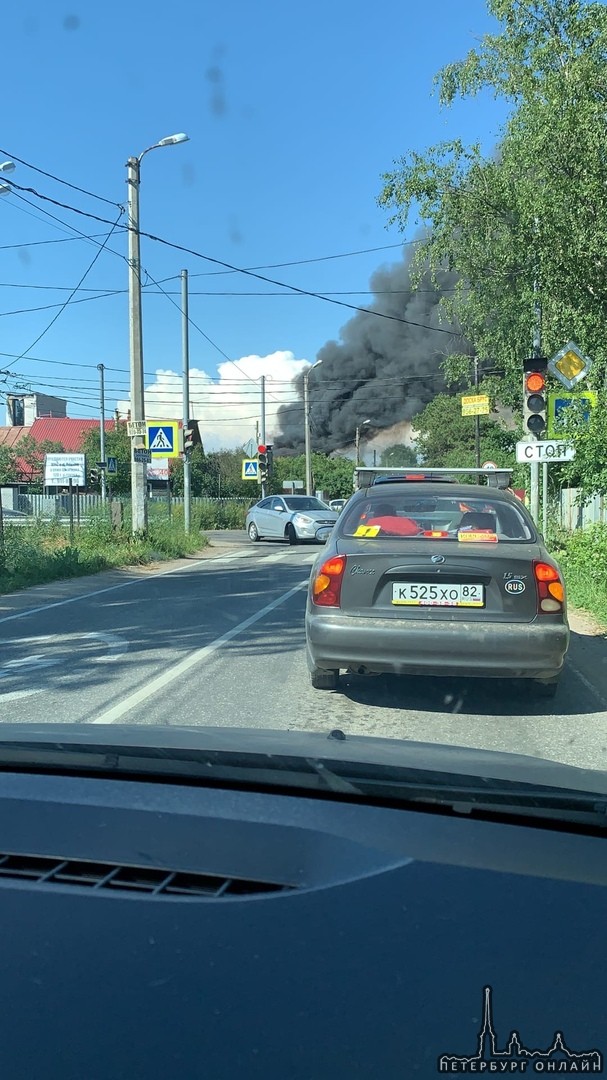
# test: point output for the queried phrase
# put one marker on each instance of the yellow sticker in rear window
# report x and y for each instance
(367, 530)
(478, 537)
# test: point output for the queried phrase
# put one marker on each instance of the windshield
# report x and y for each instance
(244, 253)
(306, 504)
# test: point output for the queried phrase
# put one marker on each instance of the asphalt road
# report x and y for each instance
(219, 640)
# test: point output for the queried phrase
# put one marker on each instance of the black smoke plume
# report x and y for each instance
(380, 370)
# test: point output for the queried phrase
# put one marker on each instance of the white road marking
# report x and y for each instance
(175, 672)
(30, 665)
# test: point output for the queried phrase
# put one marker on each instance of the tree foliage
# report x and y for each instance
(398, 456)
(446, 439)
(535, 211)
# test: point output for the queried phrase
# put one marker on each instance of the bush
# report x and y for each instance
(39, 553)
(583, 557)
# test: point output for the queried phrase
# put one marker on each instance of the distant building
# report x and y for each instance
(23, 409)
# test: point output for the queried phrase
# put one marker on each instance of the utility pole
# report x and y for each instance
(138, 469)
(185, 347)
(101, 370)
(263, 425)
(307, 432)
(477, 420)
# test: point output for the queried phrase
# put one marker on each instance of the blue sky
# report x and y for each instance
(293, 112)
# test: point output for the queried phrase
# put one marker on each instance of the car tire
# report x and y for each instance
(291, 535)
(253, 533)
(546, 689)
(323, 679)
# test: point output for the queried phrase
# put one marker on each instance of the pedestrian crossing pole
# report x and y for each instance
(263, 425)
(185, 347)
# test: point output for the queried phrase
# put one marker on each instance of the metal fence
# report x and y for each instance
(49, 507)
(571, 514)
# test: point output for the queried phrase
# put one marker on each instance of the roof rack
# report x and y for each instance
(366, 477)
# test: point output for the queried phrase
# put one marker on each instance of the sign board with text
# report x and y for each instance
(141, 455)
(475, 405)
(59, 469)
(159, 469)
(544, 450)
(136, 428)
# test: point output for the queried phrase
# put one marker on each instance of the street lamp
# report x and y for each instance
(307, 427)
(358, 440)
(138, 469)
(6, 167)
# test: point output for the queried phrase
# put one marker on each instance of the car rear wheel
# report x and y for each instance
(253, 533)
(290, 534)
(323, 679)
(546, 689)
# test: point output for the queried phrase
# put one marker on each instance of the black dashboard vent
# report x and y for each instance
(107, 877)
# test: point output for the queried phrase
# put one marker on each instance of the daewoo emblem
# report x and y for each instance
(437, 558)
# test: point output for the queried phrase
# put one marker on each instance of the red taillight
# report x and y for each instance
(326, 587)
(550, 588)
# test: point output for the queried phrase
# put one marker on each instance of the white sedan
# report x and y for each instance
(290, 517)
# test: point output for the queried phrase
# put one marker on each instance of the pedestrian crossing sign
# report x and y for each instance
(250, 469)
(163, 438)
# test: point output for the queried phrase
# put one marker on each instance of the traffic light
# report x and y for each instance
(191, 436)
(270, 459)
(262, 457)
(534, 396)
(95, 475)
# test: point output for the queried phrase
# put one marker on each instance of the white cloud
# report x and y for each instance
(228, 406)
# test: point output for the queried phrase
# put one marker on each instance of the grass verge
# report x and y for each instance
(583, 557)
(42, 552)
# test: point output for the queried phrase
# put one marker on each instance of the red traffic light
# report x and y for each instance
(535, 382)
(261, 449)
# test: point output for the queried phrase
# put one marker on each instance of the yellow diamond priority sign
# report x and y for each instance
(570, 365)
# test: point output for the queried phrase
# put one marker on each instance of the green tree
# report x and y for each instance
(398, 456)
(333, 475)
(446, 439)
(8, 468)
(535, 210)
(118, 445)
(29, 460)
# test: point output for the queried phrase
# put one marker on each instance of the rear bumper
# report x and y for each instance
(493, 650)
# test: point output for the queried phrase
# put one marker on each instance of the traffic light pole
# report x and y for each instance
(101, 370)
(185, 347)
(263, 425)
(537, 352)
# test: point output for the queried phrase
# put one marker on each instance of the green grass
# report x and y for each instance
(43, 552)
(582, 556)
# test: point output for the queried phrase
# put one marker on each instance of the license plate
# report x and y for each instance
(429, 594)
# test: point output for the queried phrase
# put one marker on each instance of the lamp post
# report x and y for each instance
(138, 469)
(358, 440)
(307, 427)
(6, 167)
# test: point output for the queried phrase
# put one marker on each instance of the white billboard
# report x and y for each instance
(59, 469)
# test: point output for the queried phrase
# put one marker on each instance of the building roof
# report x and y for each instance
(70, 433)
(10, 436)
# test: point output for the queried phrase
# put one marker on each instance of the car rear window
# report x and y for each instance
(415, 516)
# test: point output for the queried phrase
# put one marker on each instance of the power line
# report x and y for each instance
(241, 270)
(64, 305)
(66, 183)
(41, 243)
